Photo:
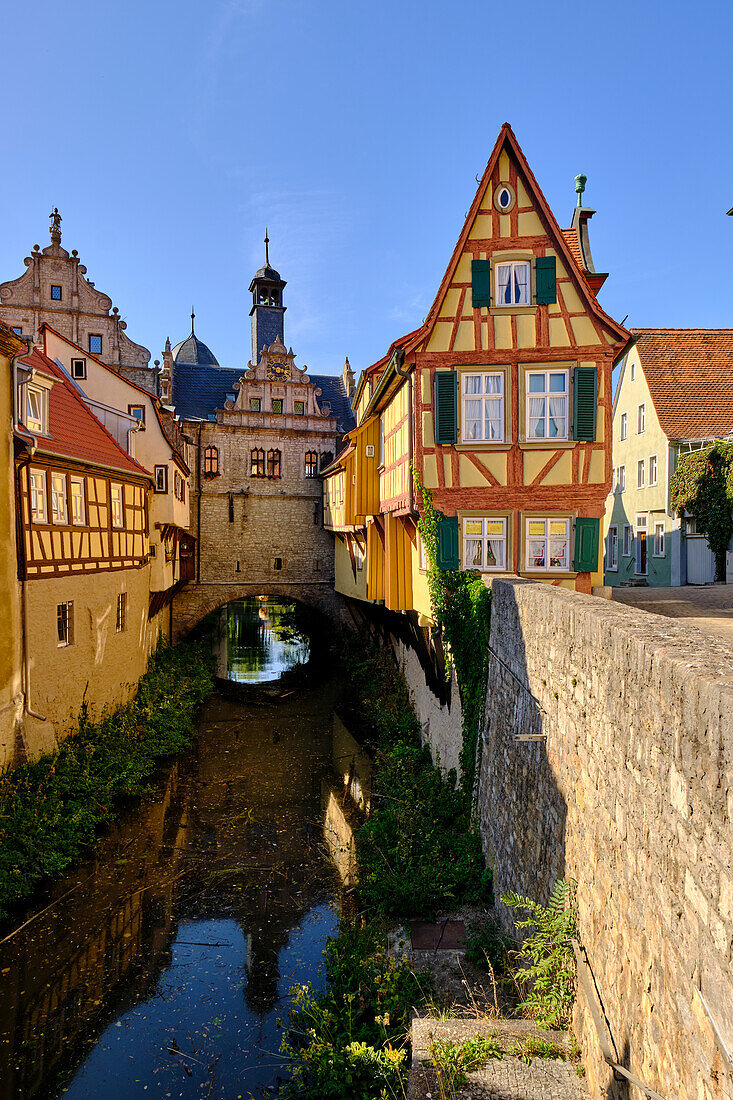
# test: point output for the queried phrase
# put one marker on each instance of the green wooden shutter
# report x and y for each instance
(448, 557)
(585, 403)
(481, 282)
(446, 406)
(587, 533)
(545, 281)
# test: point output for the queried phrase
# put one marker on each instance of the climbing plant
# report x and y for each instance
(460, 604)
(702, 486)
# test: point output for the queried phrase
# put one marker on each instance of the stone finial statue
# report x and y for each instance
(55, 226)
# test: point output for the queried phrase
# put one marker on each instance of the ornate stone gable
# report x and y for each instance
(54, 289)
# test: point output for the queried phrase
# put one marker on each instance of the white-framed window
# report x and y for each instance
(640, 474)
(39, 507)
(652, 469)
(36, 409)
(624, 422)
(548, 544)
(65, 623)
(78, 502)
(115, 491)
(642, 567)
(59, 503)
(121, 618)
(633, 371)
(78, 368)
(482, 411)
(640, 419)
(612, 547)
(621, 479)
(138, 411)
(484, 542)
(513, 280)
(161, 479)
(658, 540)
(547, 404)
(627, 540)
(358, 555)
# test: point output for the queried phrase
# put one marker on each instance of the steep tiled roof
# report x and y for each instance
(198, 391)
(571, 240)
(690, 376)
(74, 431)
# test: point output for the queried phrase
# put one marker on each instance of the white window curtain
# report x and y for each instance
(537, 417)
(504, 284)
(483, 407)
(484, 542)
(558, 416)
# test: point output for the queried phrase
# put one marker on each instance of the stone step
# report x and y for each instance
(507, 1078)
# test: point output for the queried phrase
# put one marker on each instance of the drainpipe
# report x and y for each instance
(27, 707)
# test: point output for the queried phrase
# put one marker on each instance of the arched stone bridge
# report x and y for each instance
(196, 601)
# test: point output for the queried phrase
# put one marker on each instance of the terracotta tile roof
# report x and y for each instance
(690, 376)
(571, 240)
(74, 431)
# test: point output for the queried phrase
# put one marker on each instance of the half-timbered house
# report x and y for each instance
(500, 401)
(83, 554)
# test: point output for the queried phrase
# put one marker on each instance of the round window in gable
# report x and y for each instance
(504, 198)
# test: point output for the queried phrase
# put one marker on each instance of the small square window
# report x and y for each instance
(55, 292)
(255, 404)
(299, 408)
(277, 404)
(95, 343)
(138, 411)
(78, 368)
(18, 330)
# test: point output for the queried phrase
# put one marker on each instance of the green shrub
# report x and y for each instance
(454, 1061)
(350, 1039)
(548, 952)
(50, 810)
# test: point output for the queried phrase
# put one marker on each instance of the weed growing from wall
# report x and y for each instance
(461, 605)
(702, 486)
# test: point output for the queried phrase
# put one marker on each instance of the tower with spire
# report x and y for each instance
(267, 312)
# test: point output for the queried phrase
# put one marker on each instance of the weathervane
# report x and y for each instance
(267, 247)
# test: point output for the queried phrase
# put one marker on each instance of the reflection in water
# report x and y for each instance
(166, 971)
(256, 640)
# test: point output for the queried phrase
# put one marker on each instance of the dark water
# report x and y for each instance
(257, 639)
(167, 965)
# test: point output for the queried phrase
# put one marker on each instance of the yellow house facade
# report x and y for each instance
(501, 401)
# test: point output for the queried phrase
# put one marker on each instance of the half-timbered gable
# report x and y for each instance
(502, 399)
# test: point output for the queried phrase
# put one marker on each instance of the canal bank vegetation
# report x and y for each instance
(418, 855)
(52, 809)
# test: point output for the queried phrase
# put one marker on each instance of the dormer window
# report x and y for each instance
(513, 283)
(36, 409)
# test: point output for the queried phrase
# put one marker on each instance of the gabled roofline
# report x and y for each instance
(90, 355)
(506, 136)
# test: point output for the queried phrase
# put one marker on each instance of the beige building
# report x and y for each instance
(54, 290)
(262, 433)
(11, 651)
(83, 518)
(136, 420)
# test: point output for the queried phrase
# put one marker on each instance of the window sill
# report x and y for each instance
(560, 575)
(518, 311)
(548, 444)
(480, 445)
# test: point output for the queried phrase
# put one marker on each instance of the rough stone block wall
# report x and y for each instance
(631, 794)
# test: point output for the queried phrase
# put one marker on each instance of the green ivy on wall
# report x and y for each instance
(702, 486)
(461, 604)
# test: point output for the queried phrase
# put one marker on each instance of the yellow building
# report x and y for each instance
(11, 675)
(83, 548)
(501, 401)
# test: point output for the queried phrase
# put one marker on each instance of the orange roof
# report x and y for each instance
(690, 376)
(74, 431)
(571, 240)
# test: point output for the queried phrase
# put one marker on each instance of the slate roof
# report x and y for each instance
(74, 431)
(198, 391)
(690, 376)
(268, 272)
(194, 352)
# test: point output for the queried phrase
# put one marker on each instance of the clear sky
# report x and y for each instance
(170, 133)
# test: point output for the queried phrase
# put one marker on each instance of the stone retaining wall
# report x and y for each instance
(630, 792)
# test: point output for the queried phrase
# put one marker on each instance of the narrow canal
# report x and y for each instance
(163, 965)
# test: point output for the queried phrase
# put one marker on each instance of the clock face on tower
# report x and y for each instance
(278, 370)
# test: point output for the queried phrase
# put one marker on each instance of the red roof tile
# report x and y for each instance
(74, 431)
(571, 240)
(690, 376)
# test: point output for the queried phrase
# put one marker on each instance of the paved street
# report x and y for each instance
(708, 607)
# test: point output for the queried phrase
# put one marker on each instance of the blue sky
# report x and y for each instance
(169, 134)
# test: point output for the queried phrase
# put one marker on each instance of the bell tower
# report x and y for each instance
(267, 310)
